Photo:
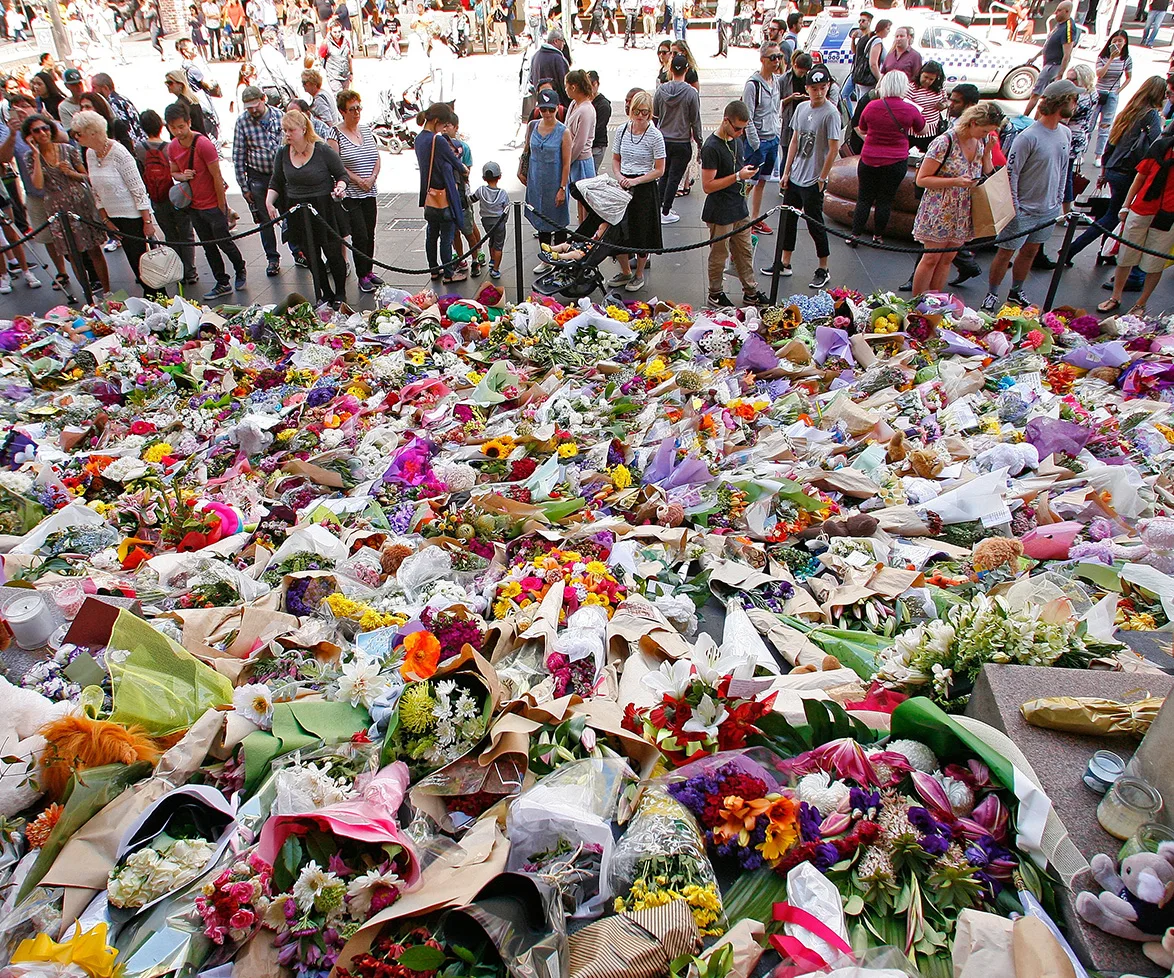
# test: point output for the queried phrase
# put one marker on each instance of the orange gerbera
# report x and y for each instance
(782, 831)
(421, 655)
(740, 818)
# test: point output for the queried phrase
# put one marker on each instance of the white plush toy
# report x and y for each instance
(24, 712)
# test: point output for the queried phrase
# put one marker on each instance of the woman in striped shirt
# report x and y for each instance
(359, 153)
(926, 94)
(1114, 69)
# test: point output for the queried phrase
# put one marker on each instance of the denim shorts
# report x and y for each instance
(764, 157)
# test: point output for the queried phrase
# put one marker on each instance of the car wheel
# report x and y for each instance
(394, 146)
(1019, 83)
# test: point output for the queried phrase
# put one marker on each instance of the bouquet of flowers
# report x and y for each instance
(743, 813)
(661, 858)
(944, 657)
(419, 951)
(585, 581)
(305, 782)
(231, 905)
(697, 714)
(437, 721)
(156, 870)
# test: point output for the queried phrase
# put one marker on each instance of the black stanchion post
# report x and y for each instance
(1062, 260)
(311, 251)
(777, 265)
(75, 255)
(519, 283)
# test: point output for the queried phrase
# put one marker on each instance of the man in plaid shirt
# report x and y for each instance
(255, 143)
(122, 107)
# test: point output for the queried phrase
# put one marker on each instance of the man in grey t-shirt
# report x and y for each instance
(1038, 168)
(815, 141)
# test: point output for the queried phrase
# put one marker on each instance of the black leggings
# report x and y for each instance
(877, 187)
(362, 212)
(677, 157)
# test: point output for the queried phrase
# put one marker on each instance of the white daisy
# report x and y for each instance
(363, 889)
(360, 682)
(254, 702)
(311, 883)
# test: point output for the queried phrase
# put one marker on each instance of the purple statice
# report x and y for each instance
(399, 520)
(826, 856)
(809, 822)
(294, 595)
(320, 395)
(774, 595)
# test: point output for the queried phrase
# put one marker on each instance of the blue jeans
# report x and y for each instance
(1104, 109)
(440, 228)
(1119, 187)
(679, 26)
(1153, 24)
(849, 92)
(258, 187)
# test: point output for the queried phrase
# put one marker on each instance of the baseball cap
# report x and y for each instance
(547, 99)
(679, 62)
(818, 75)
(491, 171)
(1061, 87)
(252, 94)
(72, 76)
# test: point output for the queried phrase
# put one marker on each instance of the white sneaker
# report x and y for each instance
(5, 284)
(541, 267)
(32, 281)
(670, 218)
(112, 244)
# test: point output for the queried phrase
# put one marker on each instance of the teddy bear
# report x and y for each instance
(1162, 953)
(1137, 901)
(25, 712)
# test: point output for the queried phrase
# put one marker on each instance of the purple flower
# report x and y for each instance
(809, 822)
(976, 856)
(864, 801)
(826, 856)
(319, 396)
(935, 845)
(749, 859)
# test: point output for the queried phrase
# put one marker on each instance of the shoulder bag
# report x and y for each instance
(180, 193)
(434, 197)
(524, 159)
(160, 266)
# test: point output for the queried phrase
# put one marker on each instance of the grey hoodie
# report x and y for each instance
(763, 98)
(676, 109)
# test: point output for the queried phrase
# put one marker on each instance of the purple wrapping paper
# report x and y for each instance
(1112, 354)
(1051, 436)
(666, 472)
(756, 355)
(409, 465)
(832, 342)
(960, 345)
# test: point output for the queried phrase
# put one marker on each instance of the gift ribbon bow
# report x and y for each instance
(88, 951)
(795, 949)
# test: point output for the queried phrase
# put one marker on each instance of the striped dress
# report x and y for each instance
(358, 159)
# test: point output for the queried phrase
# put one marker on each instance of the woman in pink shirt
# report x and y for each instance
(885, 122)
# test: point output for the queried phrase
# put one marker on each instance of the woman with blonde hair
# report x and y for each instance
(954, 163)
(638, 157)
(322, 106)
(308, 171)
(176, 81)
(1134, 130)
(119, 192)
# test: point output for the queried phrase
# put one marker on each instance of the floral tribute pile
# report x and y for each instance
(310, 616)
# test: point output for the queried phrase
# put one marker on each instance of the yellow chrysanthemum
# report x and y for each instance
(568, 449)
(157, 452)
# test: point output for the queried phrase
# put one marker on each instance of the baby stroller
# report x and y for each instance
(577, 275)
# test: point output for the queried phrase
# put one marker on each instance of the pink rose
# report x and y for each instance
(241, 920)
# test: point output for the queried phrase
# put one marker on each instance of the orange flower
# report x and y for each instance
(741, 817)
(422, 654)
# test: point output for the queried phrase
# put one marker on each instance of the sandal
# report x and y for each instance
(61, 284)
(1109, 305)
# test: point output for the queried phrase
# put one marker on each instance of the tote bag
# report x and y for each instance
(160, 266)
(991, 205)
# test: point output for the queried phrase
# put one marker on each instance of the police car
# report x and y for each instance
(995, 67)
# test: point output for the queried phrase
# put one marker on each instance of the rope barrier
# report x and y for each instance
(25, 238)
(408, 271)
(1145, 251)
(191, 243)
(623, 249)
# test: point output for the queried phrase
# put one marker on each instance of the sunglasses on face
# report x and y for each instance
(354, 108)
(37, 130)
(774, 57)
(738, 127)
(642, 112)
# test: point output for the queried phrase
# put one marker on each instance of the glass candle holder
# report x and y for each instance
(1127, 806)
(1104, 767)
(1146, 839)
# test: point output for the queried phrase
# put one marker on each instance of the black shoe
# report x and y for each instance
(908, 286)
(300, 259)
(719, 301)
(965, 273)
(1042, 262)
(757, 299)
(784, 270)
(1017, 297)
(820, 279)
(218, 291)
(273, 268)
(241, 279)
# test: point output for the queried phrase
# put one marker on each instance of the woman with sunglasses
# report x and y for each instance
(548, 173)
(359, 152)
(638, 157)
(663, 51)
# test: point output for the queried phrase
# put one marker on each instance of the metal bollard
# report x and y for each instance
(1062, 260)
(75, 255)
(519, 283)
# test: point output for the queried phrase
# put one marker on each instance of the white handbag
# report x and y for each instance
(160, 266)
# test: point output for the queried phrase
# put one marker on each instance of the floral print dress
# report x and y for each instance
(63, 193)
(944, 215)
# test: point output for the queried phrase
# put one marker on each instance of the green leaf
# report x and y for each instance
(855, 905)
(320, 846)
(289, 858)
(463, 953)
(421, 958)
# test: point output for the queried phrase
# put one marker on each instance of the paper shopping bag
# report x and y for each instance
(991, 205)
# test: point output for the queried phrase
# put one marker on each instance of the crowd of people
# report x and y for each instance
(80, 146)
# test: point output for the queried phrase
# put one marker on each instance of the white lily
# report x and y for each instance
(672, 678)
(708, 715)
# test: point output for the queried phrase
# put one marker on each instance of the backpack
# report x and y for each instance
(156, 173)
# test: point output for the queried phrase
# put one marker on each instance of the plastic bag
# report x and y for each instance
(305, 781)
(560, 831)
(663, 841)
